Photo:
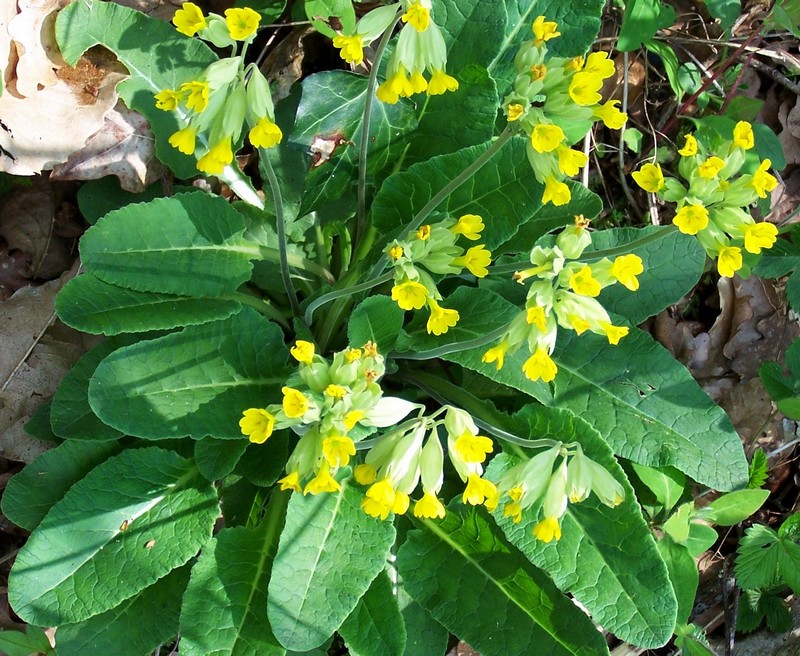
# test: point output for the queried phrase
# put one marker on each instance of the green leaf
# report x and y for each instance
(749, 617)
(785, 15)
(96, 198)
(375, 626)
(129, 522)
(677, 526)
(682, 573)
(331, 110)
(666, 483)
(135, 627)
(648, 407)
(262, 464)
(473, 34)
(640, 22)
(776, 611)
(217, 458)
(789, 564)
(319, 11)
(483, 589)
(606, 557)
(196, 382)
(377, 319)
(727, 11)
(161, 246)
(768, 146)
(31, 493)
(757, 558)
(424, 635)
(88, 304)
(224, 609)
(38, 425)
(157, 56)
(329, 553)
(33, 641)
(669, 64)
(733, 507)
(701, 537)
(504, 192)
(758, 472)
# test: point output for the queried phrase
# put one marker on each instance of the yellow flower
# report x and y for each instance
(540, 366)
(216, 159)
(626, 268)
(379, 499)
(335, 391)
(410, 295)
(424, 233)
(168, 99)
(583, 283)
(441, 82)
(473, 448)
(546, 138)
(649, 177)
(496, 354)
(189, 19)
(579, 324)
(478, 490)
(689, 148)
(396, 252)
(370, 349)
(538, 72)
(535, 316)
(743, 136)
(322, 482)
(401, 503)
(513, 510)
(729, 260)
(762, 181)
(599, 64)
(257, 424)
(711, 167)
(365, 474)
(758, 236)
(303, 351)
(429, 507)
(571, 161)
(242, 23)
(544, 30)
(469, 225)
(441, 319)
(291, 482)
(386, 93)
(352, 418)
(418, 82)
(574, 64)
(613, 333)
(198, 95)
(515, 111)
(184, 140)
(417, 16)
(547, 530)
(265, 134)
(691, 219)
(352, 354)
(295, 403)
(608, 113)
(555, 192)
(584, 89)
(351, 48)
(338, 449)
(476, 259)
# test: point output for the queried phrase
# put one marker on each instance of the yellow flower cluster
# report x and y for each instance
(215, 106)
(713, 203)
(433, 249)
(564, 293)
(555, 102)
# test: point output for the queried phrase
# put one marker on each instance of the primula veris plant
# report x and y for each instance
(383, 393)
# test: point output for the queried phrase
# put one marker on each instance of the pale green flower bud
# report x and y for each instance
(304, 456)
(259, 98)
(579, 477)
(222, 72)
(571, 308)
(741, 192)
(233, 114)
(573, 240)
(555, 498)
(405, 457)
(729, 219)
(343, 372)
(457, 422)
(604, 485)
(376, 22)
(431, 464)
(382, 451)
(388, 411)
(217, 32)
(536, 475)
(542, 294)
(673, 191)
(316, 376)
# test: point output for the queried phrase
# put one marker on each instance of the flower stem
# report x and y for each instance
(273, 255)
(339, 293)
(455, 347)
(260, 305)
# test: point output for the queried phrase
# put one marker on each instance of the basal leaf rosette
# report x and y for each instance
(555, 101)
(215, 106)
(563, 293)
(718, 184)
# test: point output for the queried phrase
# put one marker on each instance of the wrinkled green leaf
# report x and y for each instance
(377, 319)
(682, 573)
(375, 626)
(216, 458)
(733, 507)
(666, 483)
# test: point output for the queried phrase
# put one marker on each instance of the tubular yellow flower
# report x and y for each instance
(417, 16)
(379, 499)
(538, 72)
(401, 503)
(473, 448)
(424, 232)
(168, 99)
(295, 403)
(513, 510)
(429, 507)
(585, 88)
(396, 252)
(743, 136)
(351, 48)
(579, 325)
(546, 138)
(613, 333)
(691, 219)
(689, 148)
(758, 236)
(496, 354)
(540, 366)
(608, 113)
(478, 490)
(555, 192)
(544, 30)
(335, 391)
(625, 269)
(649, 177)
(547, 530)
(729, 261)
(242, 23)
(469, 225)
(535, 316)
(441, 319)
(322, 482)
(291, 482)
(365, 474)
(352, 418)
(257, 424)
(418, 82)
(265, 134)
(598, 63)
(711, 167)
(189, 20)
(184, 140)
(198, 95)
(302, 351)
(574, 64)
(441, 82)
(762, 181)
(352, 354)
(337, 450)
(570, 162)
(515, 111)
(386, 93)
(410, 295)
(476, 259)
(216, 159)
(583, 283)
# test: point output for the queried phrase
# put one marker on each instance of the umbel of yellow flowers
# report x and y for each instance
(554, 102)
(214, 107)
(563, 292)
(714, 198)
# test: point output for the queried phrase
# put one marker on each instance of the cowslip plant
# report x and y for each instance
(274, 445)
